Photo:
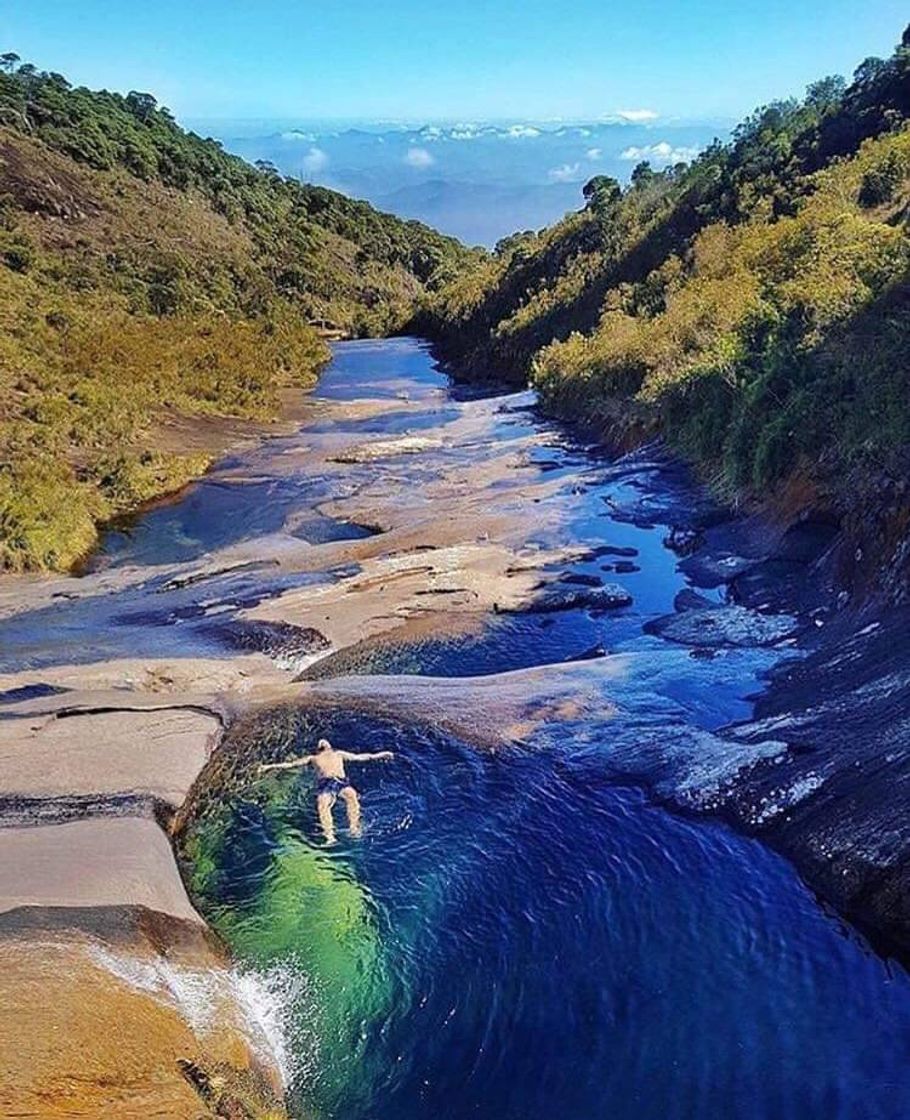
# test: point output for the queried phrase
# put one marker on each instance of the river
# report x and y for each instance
(526, 930)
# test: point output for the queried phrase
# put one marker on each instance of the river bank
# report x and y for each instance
(406, 556)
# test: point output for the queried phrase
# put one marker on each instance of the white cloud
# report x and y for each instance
(637, 116)
(314, 160)
(464, 132)
(593, 153)
(566, 173)
(296, 134)
(662, 152)
(522, 132)
(418, 157)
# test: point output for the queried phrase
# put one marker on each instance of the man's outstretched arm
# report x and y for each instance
(294, 762)
(376, 756)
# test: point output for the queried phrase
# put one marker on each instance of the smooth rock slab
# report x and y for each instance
(99, 862)
(157, 753)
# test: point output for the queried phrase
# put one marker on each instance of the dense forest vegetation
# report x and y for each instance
(144, 269)
(754, 305)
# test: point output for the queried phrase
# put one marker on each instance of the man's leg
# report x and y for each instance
(352, 801)
(324, 803)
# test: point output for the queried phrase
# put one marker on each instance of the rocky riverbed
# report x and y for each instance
(558, 594)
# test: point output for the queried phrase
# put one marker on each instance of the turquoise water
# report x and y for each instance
(526, 935)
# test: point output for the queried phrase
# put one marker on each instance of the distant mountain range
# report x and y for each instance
(477, 181)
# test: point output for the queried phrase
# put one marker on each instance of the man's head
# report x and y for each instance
(323, 745)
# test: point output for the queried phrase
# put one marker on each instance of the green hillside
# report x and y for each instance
(753, 306)
(144, 270)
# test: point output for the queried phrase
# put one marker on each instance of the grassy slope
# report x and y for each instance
(142, 268)
(751, 305)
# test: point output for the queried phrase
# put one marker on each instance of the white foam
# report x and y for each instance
(270, 1007)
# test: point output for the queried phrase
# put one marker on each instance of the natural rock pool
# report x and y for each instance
(547, 915)
(523, 931)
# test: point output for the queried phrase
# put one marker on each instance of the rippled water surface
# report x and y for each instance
(516, 937)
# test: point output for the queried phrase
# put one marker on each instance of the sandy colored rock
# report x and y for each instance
(157, 753)
(144, 682)
(77, 1040)
(95, 862)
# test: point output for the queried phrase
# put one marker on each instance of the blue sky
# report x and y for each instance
(452, 59)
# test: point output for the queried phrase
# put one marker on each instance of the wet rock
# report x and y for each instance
(778, 585)
(766, 568)
(144, 618)
(625, 567)
(232, 1093)
(807, 541)
(837, 803)
(280, 640)
(109, 978)
(710, 568)
(176, 583)
(670, 498)
(30, 812)
(719, 626)
(683, 541)
(386, 449)
(609, 597)
(167, 617)
(582, 579)
(323, 530)
(793, 577)
(30, 692)
(690, 600)
(610, 550)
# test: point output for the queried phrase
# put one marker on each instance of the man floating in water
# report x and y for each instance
(332, 782)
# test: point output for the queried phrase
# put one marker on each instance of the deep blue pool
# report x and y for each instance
(516, 937)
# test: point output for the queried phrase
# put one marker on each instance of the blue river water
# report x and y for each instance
(518, 937)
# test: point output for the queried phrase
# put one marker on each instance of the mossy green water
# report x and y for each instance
(301, 905)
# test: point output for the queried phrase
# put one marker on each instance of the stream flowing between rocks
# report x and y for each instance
(535, 923)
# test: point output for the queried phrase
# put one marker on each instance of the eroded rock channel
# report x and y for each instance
(564, 651)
